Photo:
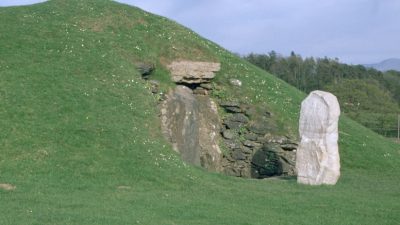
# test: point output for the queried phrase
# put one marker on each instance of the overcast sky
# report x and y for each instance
(355, 31)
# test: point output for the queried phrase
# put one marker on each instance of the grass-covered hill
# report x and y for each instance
(80, 136)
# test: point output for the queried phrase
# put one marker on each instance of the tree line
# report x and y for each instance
(366, 95)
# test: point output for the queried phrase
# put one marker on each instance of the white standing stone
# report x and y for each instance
(317, 158)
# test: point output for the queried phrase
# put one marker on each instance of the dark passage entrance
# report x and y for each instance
(266, 163)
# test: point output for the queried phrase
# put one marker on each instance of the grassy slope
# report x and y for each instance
(80, 137)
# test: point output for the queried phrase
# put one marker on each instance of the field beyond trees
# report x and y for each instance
(366, 95)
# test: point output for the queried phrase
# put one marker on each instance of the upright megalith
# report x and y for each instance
(190, 118)
(317, 158)
(179, 115)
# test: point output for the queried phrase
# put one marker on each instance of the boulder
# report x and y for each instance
(193, 72)
(246, 150)
(233, 124)
(237, 154)
(200, 91)
(235, 121)
(262, 128)
(289, 146)
(250, 144)
(232, 109)
(288, 161)
(228, 134)
(279, 139)
(145, 69)
(238, 117)
(232, 171)
(154, 86)
(206, 86)
(232, 144)
(250, 136)
(317, 158)
(245, 172)
(231, 106)
(251, 111)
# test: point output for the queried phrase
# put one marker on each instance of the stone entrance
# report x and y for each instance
(251, 148)
(241, 144)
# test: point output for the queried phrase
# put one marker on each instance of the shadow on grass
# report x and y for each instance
(284, 178)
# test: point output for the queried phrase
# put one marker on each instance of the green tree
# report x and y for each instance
(367, 102)
(366, 95)
(392, 82)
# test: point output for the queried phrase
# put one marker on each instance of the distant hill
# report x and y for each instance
(385, 65)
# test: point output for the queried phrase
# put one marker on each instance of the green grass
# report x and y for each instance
(80, 137)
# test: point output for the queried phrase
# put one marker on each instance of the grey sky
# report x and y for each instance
(355, 31)
(18, 2)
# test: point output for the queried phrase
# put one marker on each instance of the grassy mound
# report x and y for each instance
(80, 137)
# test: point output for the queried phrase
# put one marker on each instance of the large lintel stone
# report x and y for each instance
(193, 72)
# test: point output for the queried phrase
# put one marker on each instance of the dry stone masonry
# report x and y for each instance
(251, 148)
(191, 123)
(317, 160)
